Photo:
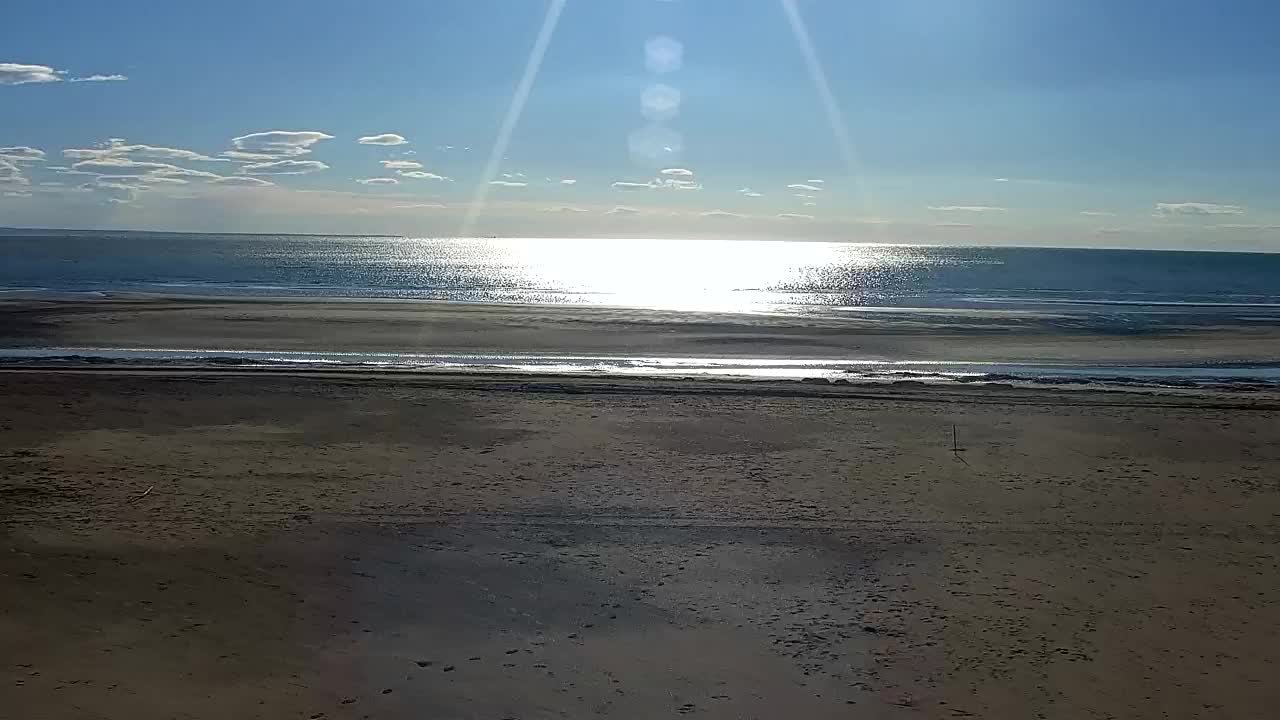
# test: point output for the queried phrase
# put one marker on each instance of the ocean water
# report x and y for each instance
(736, 276)
(1109, 291)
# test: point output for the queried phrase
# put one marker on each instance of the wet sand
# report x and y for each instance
(460, 328)
(257, 545)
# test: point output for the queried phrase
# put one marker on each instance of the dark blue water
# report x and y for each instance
(692, 275)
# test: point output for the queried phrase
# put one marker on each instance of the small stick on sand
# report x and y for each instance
(144, 494)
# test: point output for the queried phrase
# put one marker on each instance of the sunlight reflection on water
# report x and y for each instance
(707, 275)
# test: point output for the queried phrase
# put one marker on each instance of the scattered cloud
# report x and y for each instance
(966, 208)
(17, 194)
(238, 181)
(725, 214)
(804, 187)
(627, 185)
(248, 156)
(568, 181)
(100, 78)
(815, 182)
(657, 184)
(1119, 231)
(953, 225)
(1001, 180)
(508, 183)
(1097, 213)
(20, 74)
(379, 181)
(284, 167)
(383, 139)
(514, 176)
(805, 196)
(622, 210)
(21, 153)
(1197, 208)
(564, 209)
(1247, 226)
(677, 172)
(118, 148)
(118, 166)
(794, 216)
(419, 206)
(811, 204)
(748, 192)
(401, 164)
(422, 175)
(277, 143)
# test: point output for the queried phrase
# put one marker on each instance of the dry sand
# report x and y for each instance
(257, 545)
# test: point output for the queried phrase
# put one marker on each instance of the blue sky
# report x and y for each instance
(1081, 122)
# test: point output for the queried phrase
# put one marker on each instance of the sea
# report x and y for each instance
(1099, 290)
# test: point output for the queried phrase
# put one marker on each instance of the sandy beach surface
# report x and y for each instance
(440, 327)
(274, 545)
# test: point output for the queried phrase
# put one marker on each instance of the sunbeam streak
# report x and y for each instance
(518, 99)
(835, 117)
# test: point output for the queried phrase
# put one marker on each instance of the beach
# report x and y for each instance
(399, 326)
(259, 544)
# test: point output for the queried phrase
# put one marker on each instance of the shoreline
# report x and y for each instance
(886, 345)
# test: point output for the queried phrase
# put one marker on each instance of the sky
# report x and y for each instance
(1106, 123)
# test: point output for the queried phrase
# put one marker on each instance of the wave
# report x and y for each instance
(1226, 375)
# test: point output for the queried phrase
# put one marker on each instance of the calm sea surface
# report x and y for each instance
(748, 276)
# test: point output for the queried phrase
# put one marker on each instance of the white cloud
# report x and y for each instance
(383, 139)
(417, 206)
(100, 78)
(720, 214)
(806, 188)
(248, 156)
(116, 147)
(564, 209)
(284, 167)
(379, 181)
(125, 166)
(622, 210)
(1247, 226)
(626, 185)
(952, 225)
(1197, 208)
(401, 164)
(816, 182)
(677, 172)
(811, 204)
(278, 143)
(507, 183)
(966, 208)
(748, 192)
(805, 196)
(657, 184)
(794, 216)
(17, 194)
(22, 153)
(422, 175)
(514, 176)
(20, 74)
(1096, 213)
(141, 179)
(242, 182)
(1001, 180)
(568, 181)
